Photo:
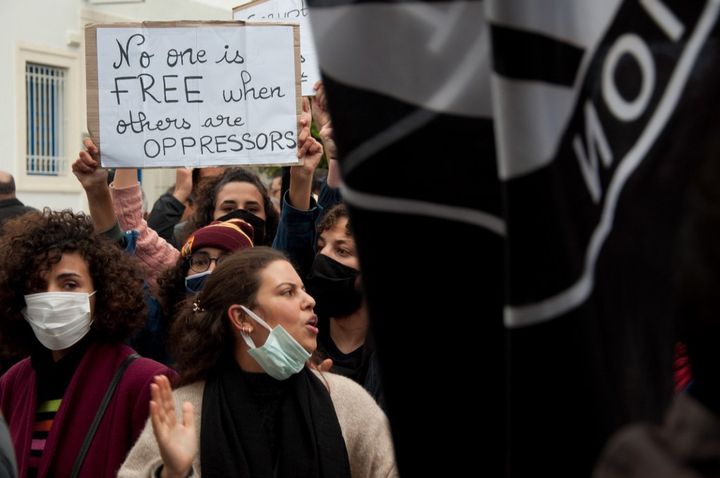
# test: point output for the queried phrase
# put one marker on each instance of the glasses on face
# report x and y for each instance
(200, 261)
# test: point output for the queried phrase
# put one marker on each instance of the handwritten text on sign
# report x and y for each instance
(197, 95)
(288, 11)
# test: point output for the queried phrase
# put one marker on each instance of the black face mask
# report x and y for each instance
(257, 224)
(332, 285)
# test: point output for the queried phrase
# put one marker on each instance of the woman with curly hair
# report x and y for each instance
(250, 405)
(69, 298)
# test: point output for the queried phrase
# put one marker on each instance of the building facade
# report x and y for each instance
(43, 118)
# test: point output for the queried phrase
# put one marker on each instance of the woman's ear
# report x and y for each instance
(238, 319)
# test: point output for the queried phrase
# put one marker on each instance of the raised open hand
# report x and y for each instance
(176, 439)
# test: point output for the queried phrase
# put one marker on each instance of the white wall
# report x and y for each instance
(166, 10)
(50, 24)
(32, 23)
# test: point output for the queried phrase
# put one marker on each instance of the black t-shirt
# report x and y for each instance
(353, 365)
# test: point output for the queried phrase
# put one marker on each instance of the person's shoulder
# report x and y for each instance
(17, 383)
(338, 382)
(192, 392)
(633, 449)
(364, 427)
(345, 392)
(669, 449)
(13, 208)
(18, 370)
(141, 371)
(148, 367)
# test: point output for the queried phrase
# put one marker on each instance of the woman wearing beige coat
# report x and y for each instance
(249, 405)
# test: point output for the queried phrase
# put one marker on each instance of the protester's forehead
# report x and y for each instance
(238, 190)
(70, 263)
(277, 273)
(338, 232)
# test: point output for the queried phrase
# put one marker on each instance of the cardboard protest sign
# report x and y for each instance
(288, 11)
(168, 94)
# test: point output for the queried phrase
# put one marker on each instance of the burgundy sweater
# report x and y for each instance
(123, 421)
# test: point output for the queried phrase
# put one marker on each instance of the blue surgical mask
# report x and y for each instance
(195, 283)
(281, 356)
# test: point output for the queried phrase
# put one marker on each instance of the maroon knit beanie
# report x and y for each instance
(226, 235)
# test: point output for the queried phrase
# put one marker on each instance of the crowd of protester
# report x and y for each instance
(223, 334)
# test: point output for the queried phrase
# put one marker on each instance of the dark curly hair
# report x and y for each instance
(171, 287)
(332, 216)
(32, 244)
(207, 195)
(201, 335)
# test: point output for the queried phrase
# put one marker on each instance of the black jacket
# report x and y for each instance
(10, 208)
(166, 213)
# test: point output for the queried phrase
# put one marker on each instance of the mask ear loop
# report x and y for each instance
(256, 318)
(199, 274)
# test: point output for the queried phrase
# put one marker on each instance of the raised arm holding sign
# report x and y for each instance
(170, 94)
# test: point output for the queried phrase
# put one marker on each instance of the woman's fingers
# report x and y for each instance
(188, 415)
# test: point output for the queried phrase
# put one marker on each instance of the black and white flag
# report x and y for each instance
(408, 85)
(517, 173)
(600, 108)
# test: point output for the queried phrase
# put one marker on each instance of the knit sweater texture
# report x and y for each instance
(364, 428)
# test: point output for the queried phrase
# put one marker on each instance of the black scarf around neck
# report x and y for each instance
(233, 441)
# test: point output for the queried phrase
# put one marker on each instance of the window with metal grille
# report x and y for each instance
(45, 86)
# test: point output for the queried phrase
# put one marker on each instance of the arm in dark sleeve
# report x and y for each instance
(296, 235)
(329, 196)
(166, 213)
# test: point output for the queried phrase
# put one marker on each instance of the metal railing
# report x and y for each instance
(45, 86)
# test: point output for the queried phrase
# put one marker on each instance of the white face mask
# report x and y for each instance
(58, 319)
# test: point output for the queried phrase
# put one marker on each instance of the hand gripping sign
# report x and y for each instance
(168, 94)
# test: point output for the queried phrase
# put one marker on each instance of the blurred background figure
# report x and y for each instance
(687, 442)
(10, 206)
(8, 465)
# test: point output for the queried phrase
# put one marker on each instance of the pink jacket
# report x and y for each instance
(154, 252)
